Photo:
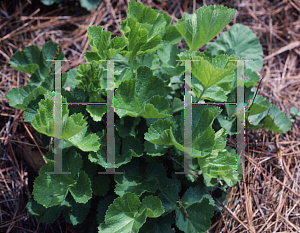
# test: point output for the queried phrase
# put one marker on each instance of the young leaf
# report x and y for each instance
(96, 111)
(90, 77)
(143, 14)
(139, 41)
(200, 27)
(44, 120)
(73, 127)
(211, 73)
(103, 48)
(142, 97)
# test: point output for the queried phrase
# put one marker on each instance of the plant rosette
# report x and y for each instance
(149, 122)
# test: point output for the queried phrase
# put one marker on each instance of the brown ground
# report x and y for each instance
(266, 201)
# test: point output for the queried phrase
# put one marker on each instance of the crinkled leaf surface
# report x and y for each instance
(153, 206)
(210, 73)
(133, 149)
(128, 214)
(138, 179)
(153, 20)
(52, 189)
(169, 195)
(240, 41)
(82, 191)
(170, 131)
(44, 119)
(85, 142)
(219, 163)
(90, 77)
(200, 27)
(143, 14)
(97, 110)
(157, 22)
(103, 206)
(103, 48)
(143, 96)
(139, 40)
(21, 97)
(214, 93)
(199, 217)
(73, 127)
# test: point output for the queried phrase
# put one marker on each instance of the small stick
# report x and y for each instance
(54, 58)
(278, 150)
(182, 207)
(247, 105)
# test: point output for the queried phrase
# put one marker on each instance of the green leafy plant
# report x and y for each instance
(87, 4)
(149, 122)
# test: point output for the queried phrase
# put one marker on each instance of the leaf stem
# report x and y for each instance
(198, 99)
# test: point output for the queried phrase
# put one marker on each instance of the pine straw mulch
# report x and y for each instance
(265, 200)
